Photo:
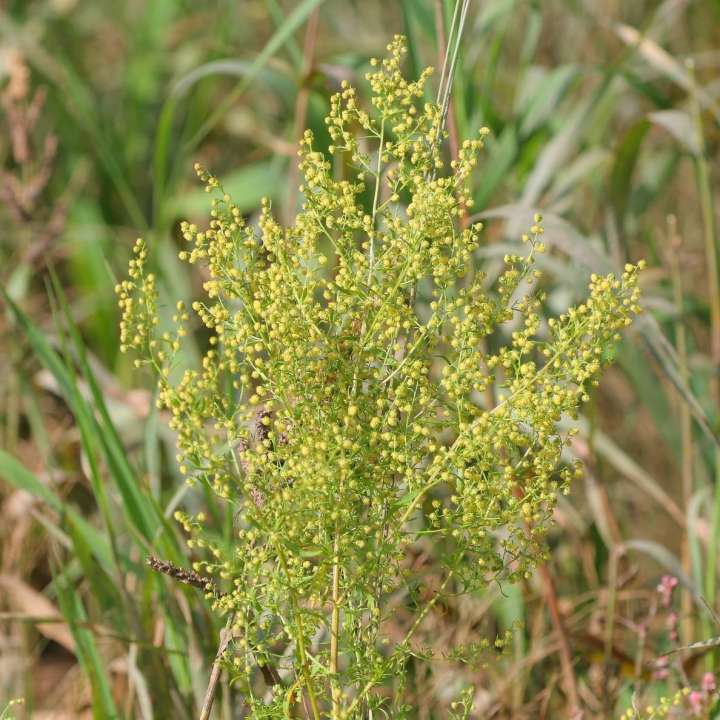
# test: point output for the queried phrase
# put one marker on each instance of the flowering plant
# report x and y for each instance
(365, 392)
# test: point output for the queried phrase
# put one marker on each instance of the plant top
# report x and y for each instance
(367, 393)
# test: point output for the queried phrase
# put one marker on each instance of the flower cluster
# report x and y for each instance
(365, 388)
(665, 707)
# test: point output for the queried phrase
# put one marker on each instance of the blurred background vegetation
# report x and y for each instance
(605, 116)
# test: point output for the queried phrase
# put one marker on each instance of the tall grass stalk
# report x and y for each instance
(705, 192)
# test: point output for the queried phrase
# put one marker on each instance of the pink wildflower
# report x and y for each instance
(696, 701)
(661, 672)
(667, 584)
(708, 683)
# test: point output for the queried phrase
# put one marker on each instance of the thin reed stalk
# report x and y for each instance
(702, 176)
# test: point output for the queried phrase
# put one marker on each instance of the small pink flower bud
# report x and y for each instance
(709, 685)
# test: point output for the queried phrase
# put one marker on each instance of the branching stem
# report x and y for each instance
(335, 625)
(378, 177)
(300, 639)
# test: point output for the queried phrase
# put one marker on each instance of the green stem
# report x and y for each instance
(702, 176)
(611, 603)
(685, 421)
(378, 175)
(366, 689)
(300, 638)
(335, 625)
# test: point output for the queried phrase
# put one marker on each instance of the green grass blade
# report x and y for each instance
(413, 19)
(20, 477)
(178, 654)
(621, 175)
(140, 506)
(91, 433)
(278, 16)
(281, 36)
(547, 93)
(161, 152)
(87, 652)
(103, 587)
(105, 431)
